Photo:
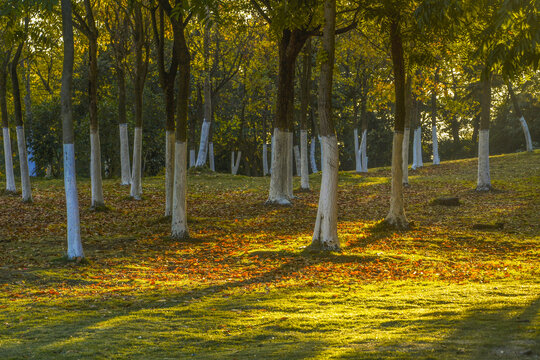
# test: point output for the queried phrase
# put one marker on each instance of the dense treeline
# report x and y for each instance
(241, 61)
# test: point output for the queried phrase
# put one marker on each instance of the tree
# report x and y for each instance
(519, 115)
(21, 138)
(139, 30)
(8, 153)
(75, 249)
(325, 233)
(87, 26)
(305, 85)
(167, 79)
(117, 25)
(180, 14)
(396, 216)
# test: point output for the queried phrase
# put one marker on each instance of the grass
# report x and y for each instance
(244, 287)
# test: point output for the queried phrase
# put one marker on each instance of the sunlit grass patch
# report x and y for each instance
(244, 286)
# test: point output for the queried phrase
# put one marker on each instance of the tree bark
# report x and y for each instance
(167, 81)
(75, 249)
(21, 138)
(179, 226)
(304, 102)
(396, 216)
(205, 130)
(484, 179)
(123, 127)
(435, 142)
(325, 235)
(407, 131)
(95, 147)
(519, 114)
(141, 67)
(290, 44)
(8, 153)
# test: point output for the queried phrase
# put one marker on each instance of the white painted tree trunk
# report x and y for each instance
(8, 161)
(48, 172)
(415, 150)
(179, 226)
(271, 154)
(290, 165)
(265, 159)
(436, 159)
(312, 155)
(124, 154)
(396, 216)
(325, 235)
(192, 158)
(203, 145)
(297, 160)
(363, 152)
(211, 155)
(322, 151)
(23, 164)
(136, 178)
(279, 192)
(357, 158)
(484, 179)
(304, 169)
(95, 170)
(405, 156)
(528, 140)
(169, 171)
(419, 147)
(75, 249)
(235, 165)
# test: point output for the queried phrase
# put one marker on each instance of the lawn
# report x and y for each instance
(245, 287)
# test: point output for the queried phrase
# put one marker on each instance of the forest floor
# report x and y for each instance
(244, 287)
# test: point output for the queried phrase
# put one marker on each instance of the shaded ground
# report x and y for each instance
(244, 287)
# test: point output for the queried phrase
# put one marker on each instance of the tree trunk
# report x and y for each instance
(139, 39)
(167, 80)
(362, 150)
(290, 44)
(205, 130)
(304, 102)
(517, 111)
(235, 165)
(436, 159)
(8, 153)
(179, 225)
(406, 132)
(325, 235)
(484, 180)
(75, 249)
(417, 143)
(313, 145)
(95, 148)
(21, 139)
(123, 127)
(396, 216)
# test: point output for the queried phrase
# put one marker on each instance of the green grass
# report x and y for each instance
(244, 287)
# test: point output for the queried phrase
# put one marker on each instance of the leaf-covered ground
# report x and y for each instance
(244, 287)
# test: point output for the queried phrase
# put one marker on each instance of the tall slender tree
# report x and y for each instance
(167, 79)
(325, 235)
(19, 122)
(139, 26)
(87, 25)
(117, 25)
(8, 153)
(75, 249)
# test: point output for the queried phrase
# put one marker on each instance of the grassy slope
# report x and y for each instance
(244, 288)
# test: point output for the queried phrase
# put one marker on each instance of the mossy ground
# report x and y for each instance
(244, 287)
